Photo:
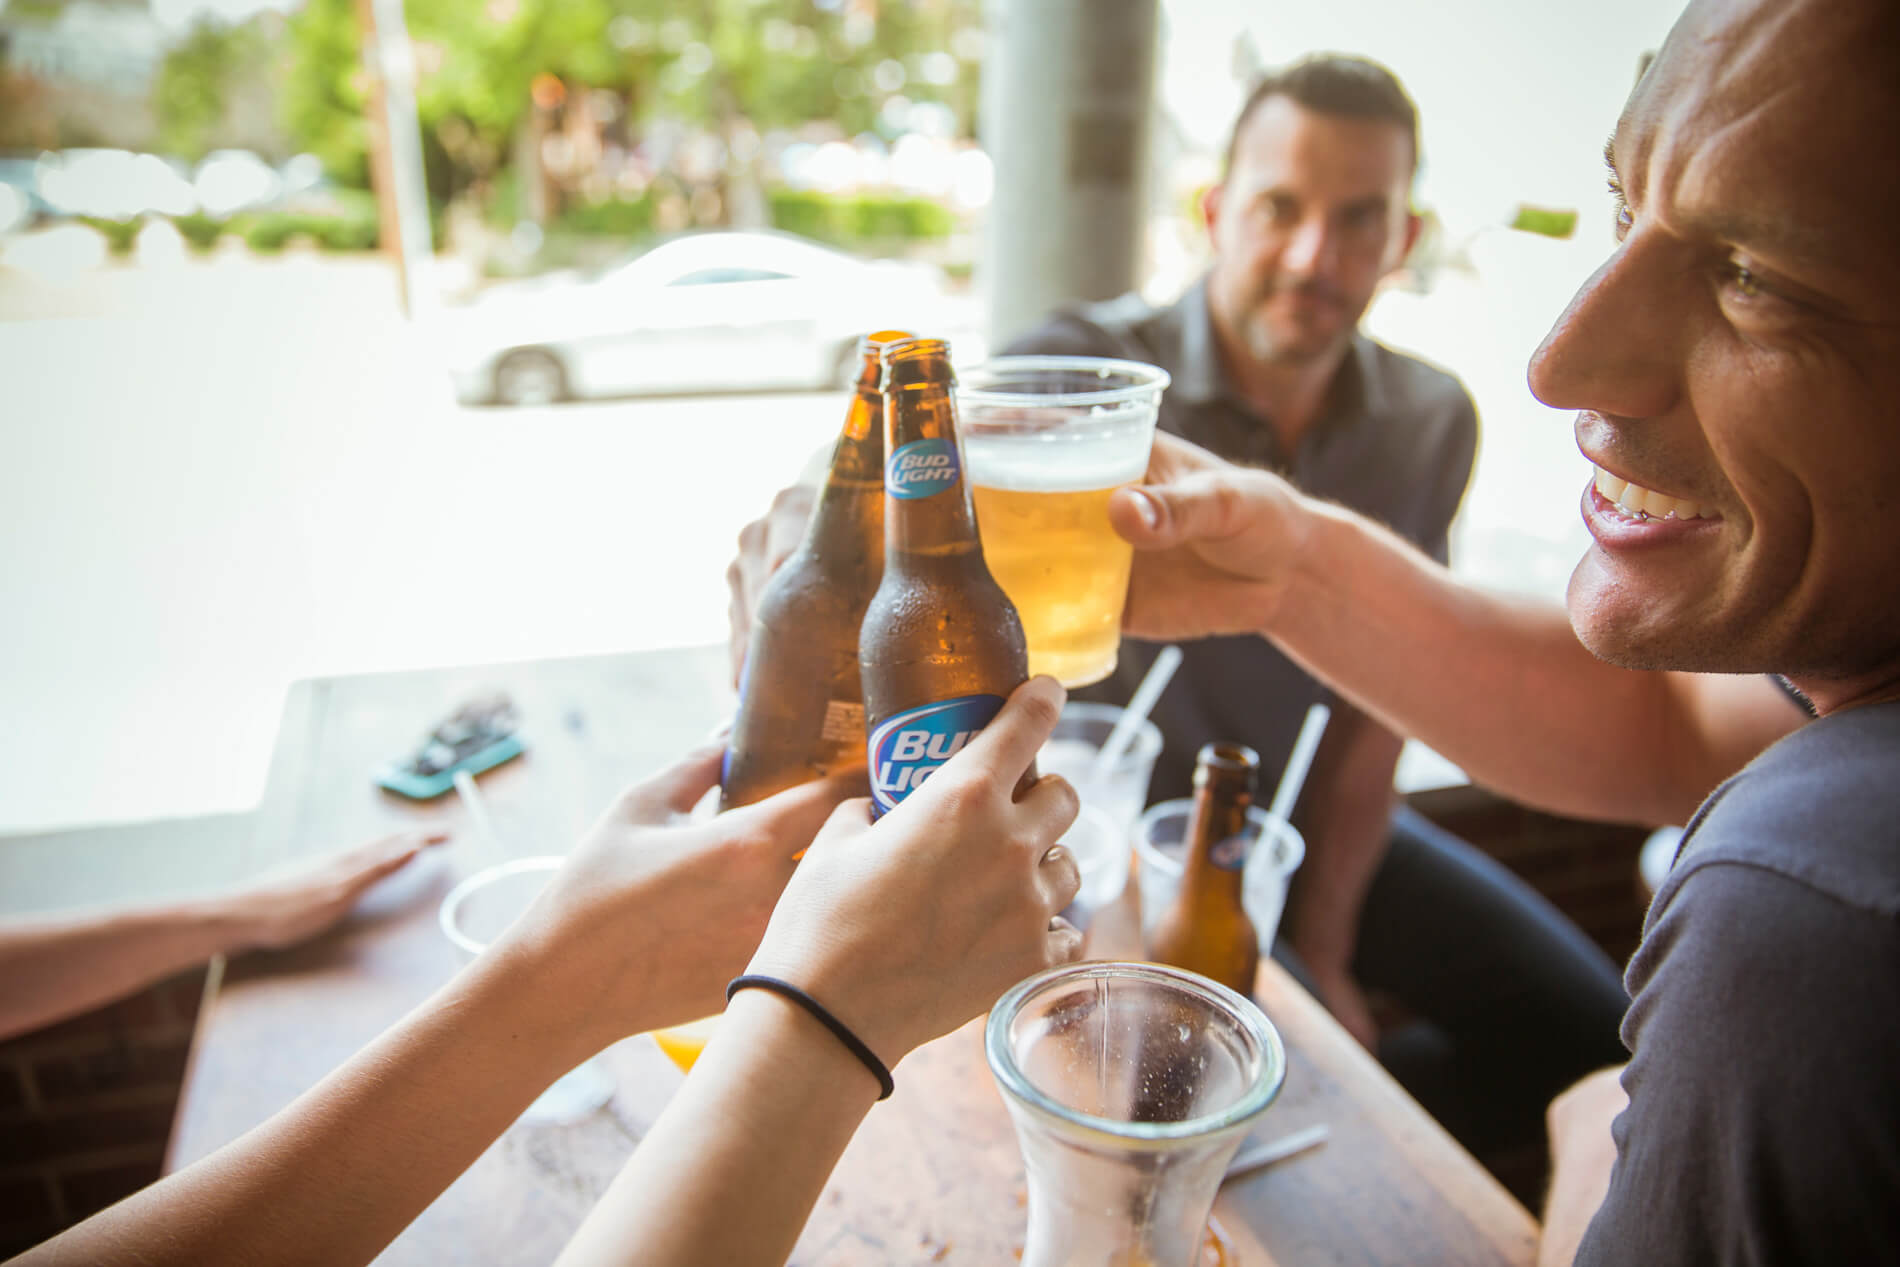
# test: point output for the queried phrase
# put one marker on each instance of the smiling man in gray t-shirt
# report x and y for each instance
(1735, 368)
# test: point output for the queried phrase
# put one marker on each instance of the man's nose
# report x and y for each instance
(1313, 250)
(1617, 349)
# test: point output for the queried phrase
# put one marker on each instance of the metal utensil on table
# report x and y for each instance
(1260, 1156)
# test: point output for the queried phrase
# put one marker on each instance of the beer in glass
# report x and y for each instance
(1049, 439)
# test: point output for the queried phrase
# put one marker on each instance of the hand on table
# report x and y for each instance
(281, 911)
(1213, 544)
(652, 914)
(764, 545)
(907, 928)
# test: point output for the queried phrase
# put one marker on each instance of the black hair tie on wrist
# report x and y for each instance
(753, 981)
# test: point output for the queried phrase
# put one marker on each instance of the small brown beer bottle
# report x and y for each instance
(941, 647)
(801, 708)
(1207, 930)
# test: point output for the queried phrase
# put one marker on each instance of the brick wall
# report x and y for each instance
(86, 1108)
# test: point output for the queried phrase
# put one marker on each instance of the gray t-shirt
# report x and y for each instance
(1764, 1118)
(1394, 441)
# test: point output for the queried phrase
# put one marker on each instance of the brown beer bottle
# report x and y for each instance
(801, 708)
(1207, 930)
(942, 646)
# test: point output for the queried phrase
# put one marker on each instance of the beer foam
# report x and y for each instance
(1032, 462)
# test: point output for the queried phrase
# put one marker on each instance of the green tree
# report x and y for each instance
(196, 83)
(774, 63)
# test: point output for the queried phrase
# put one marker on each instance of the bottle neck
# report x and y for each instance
(1221, 801)
(927, 497)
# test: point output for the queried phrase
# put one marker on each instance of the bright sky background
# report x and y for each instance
(1515, 98)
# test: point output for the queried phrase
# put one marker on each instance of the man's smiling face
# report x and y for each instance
(1737, 358)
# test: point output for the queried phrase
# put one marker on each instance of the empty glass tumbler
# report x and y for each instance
(1130, 1086)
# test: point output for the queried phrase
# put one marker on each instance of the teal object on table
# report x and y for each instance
(476, 737)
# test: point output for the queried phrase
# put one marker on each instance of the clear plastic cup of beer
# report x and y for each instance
(1046, 439)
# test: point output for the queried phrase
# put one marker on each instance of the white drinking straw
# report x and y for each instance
(1136, 713)
(478, 815)
(1301, 760)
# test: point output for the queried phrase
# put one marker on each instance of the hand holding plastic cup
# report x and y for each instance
(473, 916)
(1047, 439)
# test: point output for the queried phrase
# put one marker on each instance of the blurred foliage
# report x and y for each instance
(200, 231)
(345, 221)
(849, 219)
(775, 63)
(1546, 221)
(613, 217)
(842, 219)
(200, 77)
(120, 235)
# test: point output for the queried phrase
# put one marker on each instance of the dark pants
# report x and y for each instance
(1514, 1003)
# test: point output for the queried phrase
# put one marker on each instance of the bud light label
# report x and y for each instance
(908, 748)
(1229, 854)
(921, 468)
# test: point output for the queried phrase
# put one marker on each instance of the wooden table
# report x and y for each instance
(933, 1176)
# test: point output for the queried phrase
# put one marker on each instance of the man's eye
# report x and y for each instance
(1745, 282)
(1624, 218)
(1742, 282)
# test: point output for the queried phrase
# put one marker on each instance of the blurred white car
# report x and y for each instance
(705, 312)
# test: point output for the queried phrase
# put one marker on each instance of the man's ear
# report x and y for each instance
(1210, 207)
(1414, 224)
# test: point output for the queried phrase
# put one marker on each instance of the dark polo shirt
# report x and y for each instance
(1394, 441)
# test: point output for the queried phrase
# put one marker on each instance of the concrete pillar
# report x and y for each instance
(1068, 88)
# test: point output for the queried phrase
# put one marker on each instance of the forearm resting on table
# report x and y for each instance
(717, 1179)
(334, 1177)
(1582, 1154)
(63, 965)
(1497, 683)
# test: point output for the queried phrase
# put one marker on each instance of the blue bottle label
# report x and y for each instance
(908, 748)
(920, 469)
(1230, 854)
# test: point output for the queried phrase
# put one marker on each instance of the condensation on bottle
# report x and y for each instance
(941, 646)
(801, 703)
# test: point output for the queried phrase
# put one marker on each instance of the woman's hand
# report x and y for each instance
(906, 929)
(653, 914)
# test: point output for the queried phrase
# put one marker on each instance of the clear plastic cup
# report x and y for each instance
(1274, 851)
(1072, 748)
(1047, 439)
(1100, 847)
(473, 916)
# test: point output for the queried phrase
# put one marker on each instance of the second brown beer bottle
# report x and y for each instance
(1207, 929)
(942, 646)
(801, 708)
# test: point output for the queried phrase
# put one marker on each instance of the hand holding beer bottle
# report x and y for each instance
(941, 646)
(1207, 929)
(908, 927)
(801, 707)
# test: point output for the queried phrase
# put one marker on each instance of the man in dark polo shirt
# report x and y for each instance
(1270, 370)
